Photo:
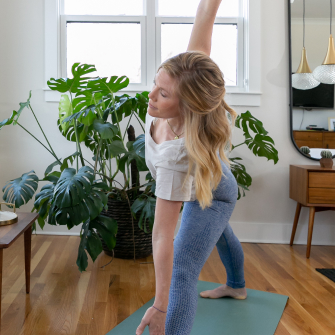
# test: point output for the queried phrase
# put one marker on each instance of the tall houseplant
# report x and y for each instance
(75, 196)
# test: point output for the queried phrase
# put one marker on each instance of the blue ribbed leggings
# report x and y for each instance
(199, 232)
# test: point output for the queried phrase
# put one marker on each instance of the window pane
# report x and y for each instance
(101, 44)
(103, 7)
(228, 8)
(223, 52)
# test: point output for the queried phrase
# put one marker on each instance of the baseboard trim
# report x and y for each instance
(56, 233)
(251, 232)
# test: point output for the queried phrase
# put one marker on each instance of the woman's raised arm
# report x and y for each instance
(201, 36)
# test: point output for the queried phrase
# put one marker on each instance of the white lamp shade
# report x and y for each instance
(325, 74)
(304, 81)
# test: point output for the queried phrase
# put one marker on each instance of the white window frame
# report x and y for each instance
(248, 91)
(219, 20)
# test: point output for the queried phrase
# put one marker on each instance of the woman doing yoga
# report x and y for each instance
(188, 128)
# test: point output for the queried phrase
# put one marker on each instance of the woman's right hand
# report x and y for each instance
(155, 320)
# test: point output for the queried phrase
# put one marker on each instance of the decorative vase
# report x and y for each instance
(125, 239)
(326, 162)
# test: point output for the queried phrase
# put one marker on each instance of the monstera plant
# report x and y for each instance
(74, 196)
(89, 115)
(260, 144)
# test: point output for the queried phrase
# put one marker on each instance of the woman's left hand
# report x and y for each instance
(155, 320)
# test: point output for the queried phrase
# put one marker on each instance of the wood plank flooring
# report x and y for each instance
(64, 301)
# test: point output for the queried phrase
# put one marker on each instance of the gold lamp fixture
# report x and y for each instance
(325, 73)
(303, 79)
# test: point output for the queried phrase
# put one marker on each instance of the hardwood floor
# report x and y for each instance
(64, 301)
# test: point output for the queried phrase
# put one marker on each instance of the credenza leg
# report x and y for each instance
(310, 230)
(1, 258)
(27, 256)
(295, 223)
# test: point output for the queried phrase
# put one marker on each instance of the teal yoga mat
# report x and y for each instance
(259, 314)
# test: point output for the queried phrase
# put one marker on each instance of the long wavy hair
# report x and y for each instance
(201, 89)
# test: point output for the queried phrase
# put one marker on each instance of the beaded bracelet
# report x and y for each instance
(158, 309)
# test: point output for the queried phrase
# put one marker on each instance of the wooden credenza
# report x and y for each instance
(314, 138)
(314, 187)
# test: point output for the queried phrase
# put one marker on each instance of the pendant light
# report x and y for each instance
(303, 79)
(325, 73)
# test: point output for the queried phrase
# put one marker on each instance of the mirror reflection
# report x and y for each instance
(313, 76)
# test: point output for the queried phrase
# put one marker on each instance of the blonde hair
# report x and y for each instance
(201, 89)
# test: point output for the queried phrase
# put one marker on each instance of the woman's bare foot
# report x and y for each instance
(224, 291)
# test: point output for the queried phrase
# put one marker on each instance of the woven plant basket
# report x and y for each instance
(124, 248)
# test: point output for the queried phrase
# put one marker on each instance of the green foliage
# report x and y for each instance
(8, 121)
(90, 241)
(75, 84)
(129, 156)
(260, 145)
(242, 177)
(16, 114)
(101, 85)
(20, 190)
(65, 111)
(147, 207)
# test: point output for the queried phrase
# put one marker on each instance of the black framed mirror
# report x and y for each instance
(312, 73)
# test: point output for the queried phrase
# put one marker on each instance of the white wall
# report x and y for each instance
(264, 215)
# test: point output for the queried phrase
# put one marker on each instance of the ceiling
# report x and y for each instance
(314, 9)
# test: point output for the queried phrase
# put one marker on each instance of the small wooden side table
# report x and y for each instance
(314, 187)
(9, 234)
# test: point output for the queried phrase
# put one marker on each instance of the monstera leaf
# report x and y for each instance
(70, 133)
(105, 129)
(86, 116)
(147, 207)
(92, 142)
(262, 146)
(90, 241)
(129, 156)
(142, 101)
(75, 84)
(44, 198)
(242, 177)
(73, 187)
(50, 167)
(23, 105)
(102, 86)
(85, 99)
(65, 110)
(8, 121)
(20, 190)
(16, 114)
(139, 145)
(117, 148)
(77, 198)
(247, 120)
(68, 159)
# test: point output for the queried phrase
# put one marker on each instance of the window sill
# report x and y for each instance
(247, 99)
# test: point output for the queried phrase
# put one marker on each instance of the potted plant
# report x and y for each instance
(326, 160)
(89, 194)
(79, 196)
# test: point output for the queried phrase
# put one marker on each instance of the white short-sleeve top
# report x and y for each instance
(168, 165)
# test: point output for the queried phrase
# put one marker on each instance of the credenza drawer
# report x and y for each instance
(321, 179)
(307, 135)
(321, 195)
